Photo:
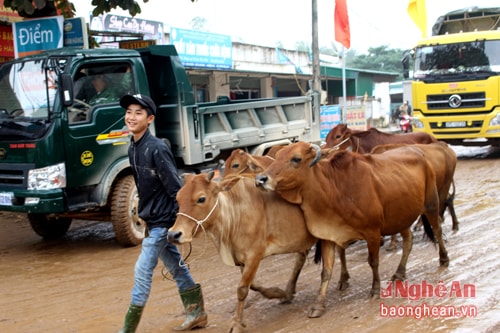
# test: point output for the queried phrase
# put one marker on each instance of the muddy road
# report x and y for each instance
(82, 283)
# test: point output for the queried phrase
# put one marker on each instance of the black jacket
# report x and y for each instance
(155, 173)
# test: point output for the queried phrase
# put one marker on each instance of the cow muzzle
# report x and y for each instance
(262, 182)
(174, 237)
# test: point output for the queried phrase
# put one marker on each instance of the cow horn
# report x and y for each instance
(318, 154)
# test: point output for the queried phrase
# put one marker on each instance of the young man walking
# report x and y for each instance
(155, 173)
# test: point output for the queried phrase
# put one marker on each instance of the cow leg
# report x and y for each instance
(373, 244)
(431, 218)
(344, 274)
(451, 210)
(393, 245)
(328, 259)
(300, 260)
(407, 245)
(247, 276)
(276, 292)
(438, 233)
(418, 225)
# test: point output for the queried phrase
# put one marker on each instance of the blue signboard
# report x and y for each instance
(75, 33)
(330, 116)
(201, 49)
(34, 36)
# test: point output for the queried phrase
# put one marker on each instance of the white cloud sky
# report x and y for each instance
(265, 22)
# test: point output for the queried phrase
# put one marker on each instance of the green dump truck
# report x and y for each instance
(64, 158)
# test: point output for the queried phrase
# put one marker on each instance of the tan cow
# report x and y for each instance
(351, 196)
(240, 162)
(246, 225)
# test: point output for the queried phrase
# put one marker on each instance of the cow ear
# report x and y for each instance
(254, 165)
(210, 175)
(227, 183)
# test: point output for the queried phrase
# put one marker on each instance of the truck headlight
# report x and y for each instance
(51, 177)
(417, 123)
(495, 121)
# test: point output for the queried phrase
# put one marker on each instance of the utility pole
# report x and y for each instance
(316, 85)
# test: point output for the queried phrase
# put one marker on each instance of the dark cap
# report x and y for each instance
(143, 100)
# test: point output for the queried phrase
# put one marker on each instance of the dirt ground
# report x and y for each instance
(82, 283)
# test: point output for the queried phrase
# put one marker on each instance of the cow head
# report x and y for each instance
(240, 161)
(288, 171)
(339, 137)
(198, 203)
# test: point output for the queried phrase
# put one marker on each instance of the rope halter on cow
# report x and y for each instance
(337, 146)
(199, 223)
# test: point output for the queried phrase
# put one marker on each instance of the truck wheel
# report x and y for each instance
(49, 227)
(129, 227)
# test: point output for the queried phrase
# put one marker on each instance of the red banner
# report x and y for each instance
(6, 41)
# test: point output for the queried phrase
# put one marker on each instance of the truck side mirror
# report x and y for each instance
(66, 89)
(406, 64)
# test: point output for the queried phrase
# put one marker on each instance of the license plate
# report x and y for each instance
(6, 198)
(455, 124)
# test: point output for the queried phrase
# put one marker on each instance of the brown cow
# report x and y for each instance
(342, 137)
(352, 196)
(365, 141)
(246, 225)
(443, 160)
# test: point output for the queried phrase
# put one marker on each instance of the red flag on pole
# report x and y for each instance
(342, 30)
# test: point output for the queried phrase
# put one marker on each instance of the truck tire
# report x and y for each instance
(128, 226)
(49, 227)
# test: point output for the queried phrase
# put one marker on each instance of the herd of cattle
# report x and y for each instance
(360, 185)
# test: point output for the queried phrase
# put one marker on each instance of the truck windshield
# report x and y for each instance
(480, 57)
(27, 94)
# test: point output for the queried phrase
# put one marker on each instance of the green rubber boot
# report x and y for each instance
(132, 319)
(192, 299)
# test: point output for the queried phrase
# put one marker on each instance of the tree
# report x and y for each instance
(303, 46)
(44, 8)
(379, 58)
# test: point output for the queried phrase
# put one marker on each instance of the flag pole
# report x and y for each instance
(316, 83)
(344, 89)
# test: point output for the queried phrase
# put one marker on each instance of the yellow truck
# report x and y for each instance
(456, 78)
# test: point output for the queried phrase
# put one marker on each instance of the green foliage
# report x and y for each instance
(44, 8)
(303, 47)
(379, 58)
(105, 6)
(32, 9)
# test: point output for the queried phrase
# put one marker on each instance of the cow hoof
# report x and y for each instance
(399, 276)
(316, 311)
(375, 294)
(342, 285)
(444, 262)
(236, 327)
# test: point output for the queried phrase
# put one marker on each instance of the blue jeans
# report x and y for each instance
(157, 246)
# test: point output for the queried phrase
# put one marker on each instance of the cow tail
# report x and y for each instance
(428, 229)
(317, 253)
